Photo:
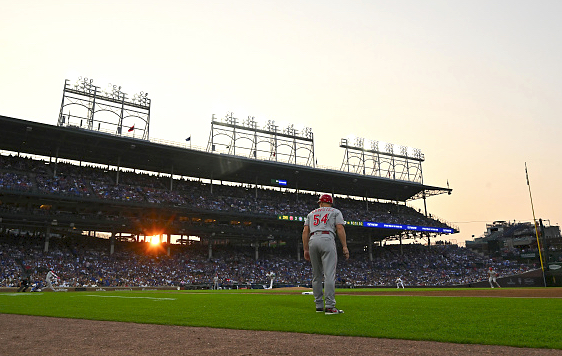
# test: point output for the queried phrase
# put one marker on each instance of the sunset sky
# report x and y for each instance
(476, 85)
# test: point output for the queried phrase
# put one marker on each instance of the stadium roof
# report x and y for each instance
(79, 144)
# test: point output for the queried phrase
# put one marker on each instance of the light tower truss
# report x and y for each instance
(249, 140)
(85, 105)
(406, 164)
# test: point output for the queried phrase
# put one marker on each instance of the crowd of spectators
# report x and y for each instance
(87, 182)
(85, 261)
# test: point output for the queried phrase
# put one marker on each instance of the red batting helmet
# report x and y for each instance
(326, 198)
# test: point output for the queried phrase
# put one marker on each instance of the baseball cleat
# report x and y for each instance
(319, 310)
(330, 311)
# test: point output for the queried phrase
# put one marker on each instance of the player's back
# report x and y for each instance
(324, 219)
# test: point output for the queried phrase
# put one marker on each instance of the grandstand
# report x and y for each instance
(60, 187)
(187, 193)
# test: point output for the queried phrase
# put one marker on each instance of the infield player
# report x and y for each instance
(492, 277)
(216, 282)
(321, 227)
(271, 276)
(399, 283)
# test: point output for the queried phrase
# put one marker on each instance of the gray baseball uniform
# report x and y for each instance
(323, 255)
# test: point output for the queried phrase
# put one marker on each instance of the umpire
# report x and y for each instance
(319, 243)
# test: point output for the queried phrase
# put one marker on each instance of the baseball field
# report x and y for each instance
(522, 318)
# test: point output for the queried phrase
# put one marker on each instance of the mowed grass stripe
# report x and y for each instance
(522, 322)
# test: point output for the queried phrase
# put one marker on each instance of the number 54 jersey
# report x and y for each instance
(324, 221)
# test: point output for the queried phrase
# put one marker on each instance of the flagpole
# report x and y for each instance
(535, 222)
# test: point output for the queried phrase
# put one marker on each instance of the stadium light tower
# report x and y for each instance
(249, 140)
(371, 160)
(104, 110)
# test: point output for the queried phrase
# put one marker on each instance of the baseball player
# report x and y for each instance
(271, 276)
(492, 277)
(51, 277)
(24, 283)
(319, 233)
(399, 283)
(25, 279)
(216, 282)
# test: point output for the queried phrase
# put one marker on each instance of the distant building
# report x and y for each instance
(518, 240)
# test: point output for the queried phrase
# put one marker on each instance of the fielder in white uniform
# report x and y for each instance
(492, 277)
(319, 244)
(399, 283)
(271, 276)
(216, 282)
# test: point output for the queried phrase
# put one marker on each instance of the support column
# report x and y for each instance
(256, 247)
(370, 248)
(172, 179)
(118, 169)
(56, 162)
(210, 248)
(298, 251)
(401, 251)
(47, 237)
(112, 243)
(169, 241)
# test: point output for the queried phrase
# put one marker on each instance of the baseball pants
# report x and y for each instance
(323, 257)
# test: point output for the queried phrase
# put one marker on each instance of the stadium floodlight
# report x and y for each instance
(359, 142)
(250, 122)
(389, 148)
(374, 145)
(307, 132)
(417, 153)
(230, 119)
(85, 85)
(290, 130)
(270, 126)
(141, 98)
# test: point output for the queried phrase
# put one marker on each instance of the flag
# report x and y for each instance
(188, 139)
(131, 128)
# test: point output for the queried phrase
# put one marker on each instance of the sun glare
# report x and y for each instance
(155, 240)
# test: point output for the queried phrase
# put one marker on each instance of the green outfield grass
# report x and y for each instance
(522, 322)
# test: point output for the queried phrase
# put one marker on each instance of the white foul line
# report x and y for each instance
(119, 296)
